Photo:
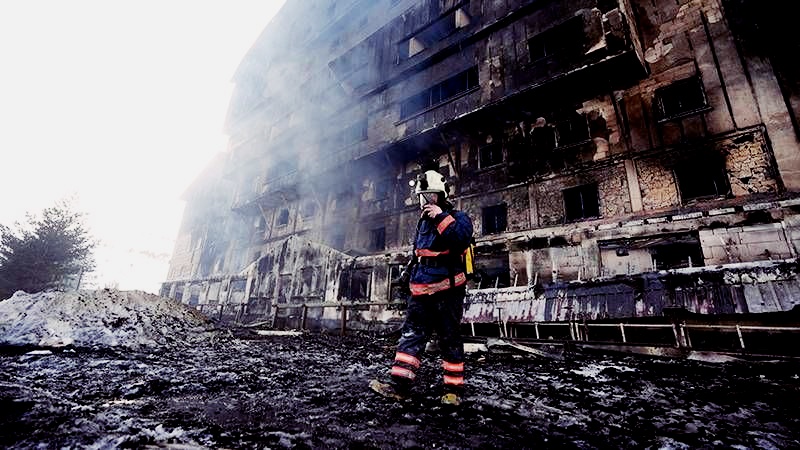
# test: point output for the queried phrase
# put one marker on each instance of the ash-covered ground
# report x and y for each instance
(237, 389)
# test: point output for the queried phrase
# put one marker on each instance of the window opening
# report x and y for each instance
(572, 129)
(378, 239)
(543, 137)
(677, 256)
(354, 284)
(581, 202)
(680, 99)
(382, 189)
(701, 179)
(491, 155)
(440, 92)
(396, 287)
(283, 217)
(495, 219)
(238, 285)
(494, 269)
(567, 37)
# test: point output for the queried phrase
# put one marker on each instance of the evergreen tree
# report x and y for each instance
(51, 251)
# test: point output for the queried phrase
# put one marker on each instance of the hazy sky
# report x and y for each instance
(119, 104)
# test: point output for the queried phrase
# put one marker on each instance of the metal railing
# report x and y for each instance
(579, 331)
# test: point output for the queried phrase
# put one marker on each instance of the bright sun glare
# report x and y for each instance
(120, 105)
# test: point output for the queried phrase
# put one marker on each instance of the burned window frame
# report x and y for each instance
(494, 269)
(665, 96)
(282, 218)
(688, 255)
(496, 156)
(440, 93)
(377, 239)
(438, 30)
(566, 37)
(394, 284)
(667, 251)
(496, 215)
(582, 191)
(690, 173)
(362, 281)
(572, 129)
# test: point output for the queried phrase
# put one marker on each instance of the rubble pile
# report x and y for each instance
(100, 318)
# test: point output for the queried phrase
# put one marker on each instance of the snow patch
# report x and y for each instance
(101, 318)
(595, 370)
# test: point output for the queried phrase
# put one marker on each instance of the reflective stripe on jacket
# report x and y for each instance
(445, 236)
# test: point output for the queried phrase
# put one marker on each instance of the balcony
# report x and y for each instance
(268, 194)
(276, 191)
(586, 53)
(589, 49)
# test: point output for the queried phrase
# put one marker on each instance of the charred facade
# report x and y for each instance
(616, 156)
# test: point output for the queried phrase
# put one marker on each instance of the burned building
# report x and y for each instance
(617, 157)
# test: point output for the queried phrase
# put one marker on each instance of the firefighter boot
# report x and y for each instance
(390, 390)
(451, 399)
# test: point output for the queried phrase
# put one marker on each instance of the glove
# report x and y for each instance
(402, 282)
(405, 277)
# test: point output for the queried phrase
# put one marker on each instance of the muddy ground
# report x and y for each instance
(309, 391)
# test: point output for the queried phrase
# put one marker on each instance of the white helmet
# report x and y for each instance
(430, 181)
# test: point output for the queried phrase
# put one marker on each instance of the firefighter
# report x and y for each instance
(437, 284)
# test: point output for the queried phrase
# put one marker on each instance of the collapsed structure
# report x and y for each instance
(617, 157)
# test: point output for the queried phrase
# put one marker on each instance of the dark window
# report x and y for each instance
(440, 92)
(543, 139)
(378, 239)
(567, 37)
(676, 256)
(395, 284)
(382, 189)
(701, 179)
(680, 99)
(572, 129)
(283, 217)
(354, 284)
(491, 155)
(581, 202)
(493, 269)
(495, 219)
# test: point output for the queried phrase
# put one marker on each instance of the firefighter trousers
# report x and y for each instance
(440, 312)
